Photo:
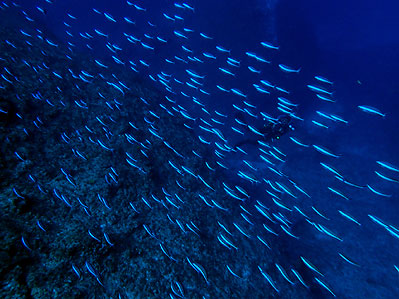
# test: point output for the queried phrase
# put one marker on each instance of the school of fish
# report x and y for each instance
(214, 219)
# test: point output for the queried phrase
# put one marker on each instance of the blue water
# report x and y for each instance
(97, 204)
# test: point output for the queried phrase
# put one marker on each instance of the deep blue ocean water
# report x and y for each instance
(354, 44)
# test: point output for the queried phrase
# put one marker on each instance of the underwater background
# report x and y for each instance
(199, 149)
